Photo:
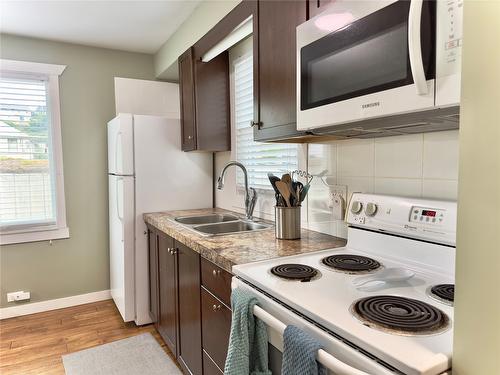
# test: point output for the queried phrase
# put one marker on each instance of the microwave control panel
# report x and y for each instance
(449, 36)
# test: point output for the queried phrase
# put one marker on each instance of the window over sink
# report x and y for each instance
(259, 158)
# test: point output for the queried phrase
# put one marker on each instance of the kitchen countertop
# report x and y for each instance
(239, 248)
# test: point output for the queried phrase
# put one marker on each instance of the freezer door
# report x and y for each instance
(121, 244)
(121, 145)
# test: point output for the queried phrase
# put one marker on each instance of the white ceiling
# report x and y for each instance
(138, 26)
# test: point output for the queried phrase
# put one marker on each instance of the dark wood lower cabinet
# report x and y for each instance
(209, 366)
(167, 266)
(216, 327)
(190, 352)
(193, 320)
(153, 274)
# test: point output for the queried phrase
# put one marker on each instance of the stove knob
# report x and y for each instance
(356, 207)
(371, 209)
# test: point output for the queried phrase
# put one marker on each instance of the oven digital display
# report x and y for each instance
(429, 213)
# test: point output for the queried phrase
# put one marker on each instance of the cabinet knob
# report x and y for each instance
(174, 251)
(216, 307)
(145, 232)
(216, 273)
(258, 124)
(190, 137)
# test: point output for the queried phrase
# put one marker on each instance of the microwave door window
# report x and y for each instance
(368, 56)
(372, 62)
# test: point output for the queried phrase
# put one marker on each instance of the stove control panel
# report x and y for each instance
(427, 215)
(430, 220)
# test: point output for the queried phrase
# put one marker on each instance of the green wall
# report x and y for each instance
(204, 17)
(79, 264)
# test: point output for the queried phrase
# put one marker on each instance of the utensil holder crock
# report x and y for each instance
(287, 222)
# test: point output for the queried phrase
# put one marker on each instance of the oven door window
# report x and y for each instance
(367, 56)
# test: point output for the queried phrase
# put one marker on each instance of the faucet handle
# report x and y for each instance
(251, 204)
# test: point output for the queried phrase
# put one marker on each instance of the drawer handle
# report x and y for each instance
(216, 307)
(172, 251)
(216, 273)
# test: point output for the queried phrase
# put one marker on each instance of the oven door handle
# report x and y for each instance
(415, 47)
(323, 357)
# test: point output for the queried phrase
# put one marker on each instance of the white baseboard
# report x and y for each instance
(53, 304)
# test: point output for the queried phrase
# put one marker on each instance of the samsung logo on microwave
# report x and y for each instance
(370, 105)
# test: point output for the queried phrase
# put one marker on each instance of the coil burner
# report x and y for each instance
(400, 315)
(444, 293)
(298, 272)
(349, 263)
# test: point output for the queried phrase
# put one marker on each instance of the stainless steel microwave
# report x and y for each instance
(375, 59)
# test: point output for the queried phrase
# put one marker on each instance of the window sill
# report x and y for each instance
(42, 235)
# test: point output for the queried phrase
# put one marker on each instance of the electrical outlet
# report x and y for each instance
(338, 195)
(18, 296)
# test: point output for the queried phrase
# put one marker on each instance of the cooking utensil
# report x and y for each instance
(387, 275)
(286, 178)
(273, 179)
(304, 191)
(284, 191)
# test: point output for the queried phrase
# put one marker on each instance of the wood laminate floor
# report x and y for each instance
(34, 344)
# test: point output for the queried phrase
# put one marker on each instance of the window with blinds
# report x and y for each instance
(27, 193)
(259, 158)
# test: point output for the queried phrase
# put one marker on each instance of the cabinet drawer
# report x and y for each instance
(209, 366)
(216, 327)
(216, 280)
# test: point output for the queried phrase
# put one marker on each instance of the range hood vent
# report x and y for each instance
(411, 123)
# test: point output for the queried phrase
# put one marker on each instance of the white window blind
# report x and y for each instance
(259, 158)
(27, 184)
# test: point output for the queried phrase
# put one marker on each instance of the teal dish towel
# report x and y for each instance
(299, 353)
(247, 352)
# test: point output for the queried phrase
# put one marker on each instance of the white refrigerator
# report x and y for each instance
(147, 172)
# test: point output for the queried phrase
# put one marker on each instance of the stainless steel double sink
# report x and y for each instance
(219, 224)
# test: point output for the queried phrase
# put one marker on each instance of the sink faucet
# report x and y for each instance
(250, 193)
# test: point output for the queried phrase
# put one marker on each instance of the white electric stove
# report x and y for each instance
(401, 326)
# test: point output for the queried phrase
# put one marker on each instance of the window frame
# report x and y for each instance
(40, 232)
(245, 53)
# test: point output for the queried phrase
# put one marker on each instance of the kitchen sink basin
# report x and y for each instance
(230, 227)
(205, 219)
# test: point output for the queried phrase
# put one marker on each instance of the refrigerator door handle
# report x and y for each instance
(119, 199)
(118, 141)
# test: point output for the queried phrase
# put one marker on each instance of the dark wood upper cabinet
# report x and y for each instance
(153, 275)
(213, 128)
(275, 69)
(318, 6)
(204, 93)
(167, 270)
(187, 99)
(190, 349)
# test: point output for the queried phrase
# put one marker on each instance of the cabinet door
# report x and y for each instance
(153, 275)
(187, 97)
(167, 264)
(190, 352)
(216, 327)
(213, 129)
(276, 64)
(209, 366)
(318, 6)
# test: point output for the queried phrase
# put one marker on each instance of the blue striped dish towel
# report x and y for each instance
(299, 353)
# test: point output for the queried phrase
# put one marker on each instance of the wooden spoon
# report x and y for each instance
(287, 179)
(284, 191)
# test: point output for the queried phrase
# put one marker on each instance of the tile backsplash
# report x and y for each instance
(419, 165)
